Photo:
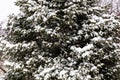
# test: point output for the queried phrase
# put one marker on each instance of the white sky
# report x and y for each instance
(7, 7)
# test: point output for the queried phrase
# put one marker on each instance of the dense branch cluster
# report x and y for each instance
(62, 40)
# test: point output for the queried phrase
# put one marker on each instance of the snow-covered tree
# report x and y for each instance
(62, 40)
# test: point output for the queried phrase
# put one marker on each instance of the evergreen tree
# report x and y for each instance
(62, 40)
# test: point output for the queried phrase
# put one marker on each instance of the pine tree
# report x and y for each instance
(62, 40)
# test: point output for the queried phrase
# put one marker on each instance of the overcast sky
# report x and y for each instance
(7, 7)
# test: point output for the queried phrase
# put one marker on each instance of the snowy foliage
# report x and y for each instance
(62, 40)
(112, 5)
